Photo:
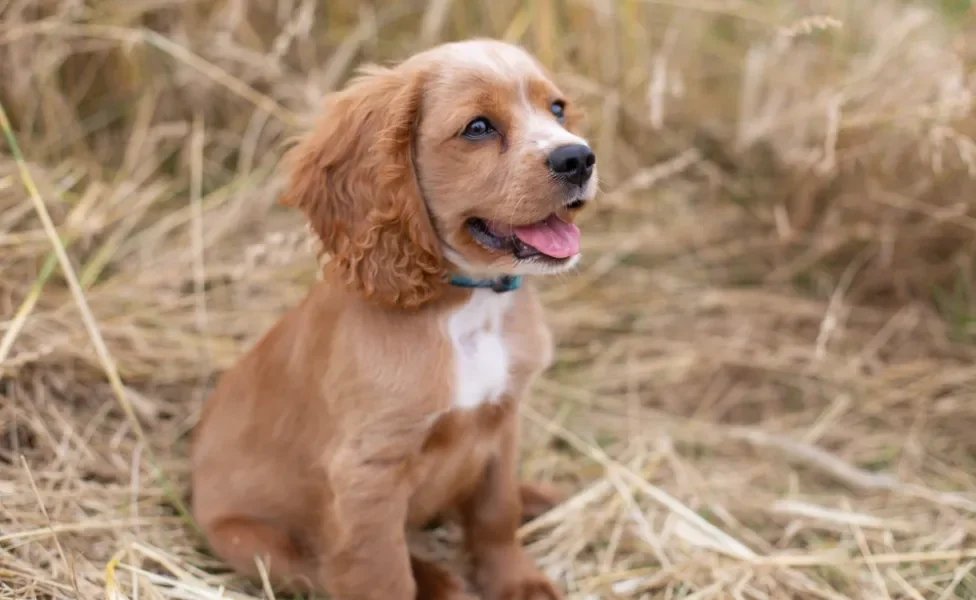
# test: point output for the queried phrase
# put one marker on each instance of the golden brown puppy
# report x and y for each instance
(389, 395)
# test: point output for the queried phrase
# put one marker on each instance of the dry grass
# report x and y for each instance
(765, 384)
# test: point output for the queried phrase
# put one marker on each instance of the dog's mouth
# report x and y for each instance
(551, 238)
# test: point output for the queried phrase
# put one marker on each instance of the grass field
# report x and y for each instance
(765, 383)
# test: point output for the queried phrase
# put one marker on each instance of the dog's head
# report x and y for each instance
(464, 158)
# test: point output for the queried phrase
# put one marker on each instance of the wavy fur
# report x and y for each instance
(354, 179)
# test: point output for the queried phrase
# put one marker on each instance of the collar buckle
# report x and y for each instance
(505, 283)
(499, 285)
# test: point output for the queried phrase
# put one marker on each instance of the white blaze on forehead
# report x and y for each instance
(499, 58)
(542, 132)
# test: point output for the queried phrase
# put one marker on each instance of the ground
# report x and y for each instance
(764, 383)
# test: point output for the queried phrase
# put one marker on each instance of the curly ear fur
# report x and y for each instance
(353, 177)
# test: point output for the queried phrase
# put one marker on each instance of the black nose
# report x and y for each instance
(573, 163)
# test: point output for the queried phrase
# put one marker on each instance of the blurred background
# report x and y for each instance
(765, 383)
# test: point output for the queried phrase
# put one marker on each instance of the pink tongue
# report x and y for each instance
(553, 237)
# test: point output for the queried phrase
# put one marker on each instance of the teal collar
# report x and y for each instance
(505, 283)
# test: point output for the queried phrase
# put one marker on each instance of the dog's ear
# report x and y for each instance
(353, 177)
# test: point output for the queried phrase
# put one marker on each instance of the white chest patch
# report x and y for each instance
(481, 358)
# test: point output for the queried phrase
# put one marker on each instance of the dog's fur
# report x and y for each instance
(388, 397)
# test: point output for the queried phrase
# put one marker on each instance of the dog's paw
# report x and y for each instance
(514, 577)
(447, 595)
(436, 583)
(531, 588)
(538, 499)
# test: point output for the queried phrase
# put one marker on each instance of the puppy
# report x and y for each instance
(388, 397)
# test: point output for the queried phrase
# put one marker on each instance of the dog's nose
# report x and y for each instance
(572, 163)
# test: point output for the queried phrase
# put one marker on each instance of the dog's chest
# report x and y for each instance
(482, 358)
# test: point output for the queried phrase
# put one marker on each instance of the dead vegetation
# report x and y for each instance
(765, 384)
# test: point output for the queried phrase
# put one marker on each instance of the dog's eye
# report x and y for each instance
(558, 108)
(478, 129)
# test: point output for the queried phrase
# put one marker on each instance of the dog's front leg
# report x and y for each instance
(491, 517)
(367, 557)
